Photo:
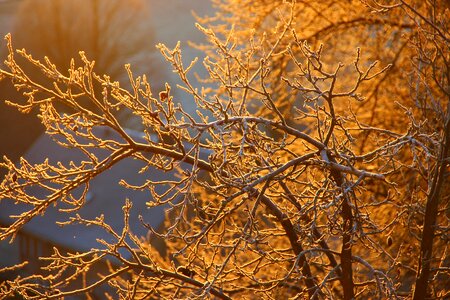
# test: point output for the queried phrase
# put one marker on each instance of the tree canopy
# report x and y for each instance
(317, 165)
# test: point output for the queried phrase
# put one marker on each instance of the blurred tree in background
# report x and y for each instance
(111, 33)
(327, 130)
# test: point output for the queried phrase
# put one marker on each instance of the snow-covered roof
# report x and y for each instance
(105, 197)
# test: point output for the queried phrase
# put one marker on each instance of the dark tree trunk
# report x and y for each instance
(431, 211)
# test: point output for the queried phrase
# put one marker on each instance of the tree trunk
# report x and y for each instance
(431, 211)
